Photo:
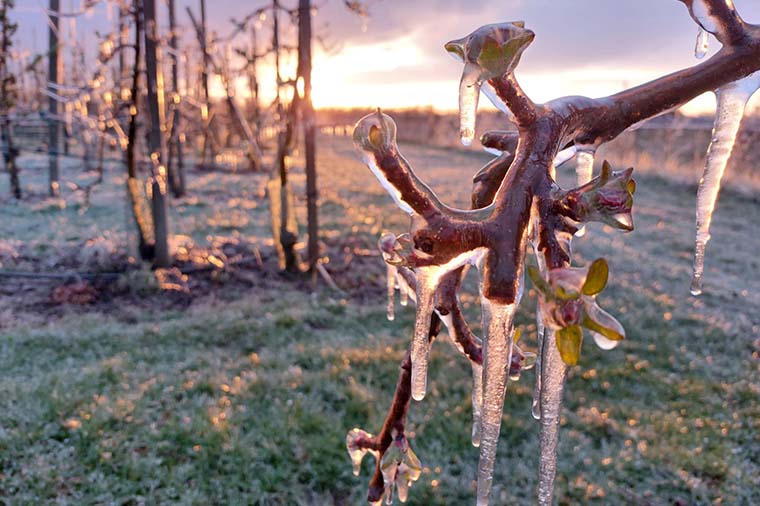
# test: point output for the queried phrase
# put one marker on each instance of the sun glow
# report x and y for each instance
(392, 75)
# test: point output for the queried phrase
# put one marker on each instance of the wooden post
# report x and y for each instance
(155, 97)
(54, 78)
(307, 116)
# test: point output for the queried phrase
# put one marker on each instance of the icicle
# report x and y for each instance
(554, 372)
(392, 273)
(469, 94)
(584, 170)
(477, 402)
(703, 43)
(732, 101)
(427, 282)
(536, 405)
(497, 355)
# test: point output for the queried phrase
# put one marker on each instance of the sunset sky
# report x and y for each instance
(396, 59)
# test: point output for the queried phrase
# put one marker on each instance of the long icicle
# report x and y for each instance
(497, 355)
(732, 101)
(477, 402)
(469, 95)
(552, 387)
(427, 282)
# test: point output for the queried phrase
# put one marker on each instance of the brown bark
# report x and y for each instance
(309, 131)
(156, 141)
(175, 163)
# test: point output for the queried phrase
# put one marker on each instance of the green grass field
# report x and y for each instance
(244, 396)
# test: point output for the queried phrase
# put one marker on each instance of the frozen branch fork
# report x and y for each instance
(517, 206)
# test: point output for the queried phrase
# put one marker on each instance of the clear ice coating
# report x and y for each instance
(392, 274)
(488, 52)
(477, 402)
(703, 43)
(536, 404)
(584, 170)
(400, 468)
(427, 282)
(732, 101)
(497, 356)
(355, 451)
(554, 373)
(469, 95)
(565, 155)
(373, 132)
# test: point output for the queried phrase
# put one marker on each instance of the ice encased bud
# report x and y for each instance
(567, 302)
(608, 198)
(488, 52)
(495, 48)
(375, 132)
(356, 450)
(400, 468)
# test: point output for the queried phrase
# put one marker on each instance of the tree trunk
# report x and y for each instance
(155, 81)
(140, 212)
(10, 152)
(207, 145)
(307, 117)
(7, 100)
(54, 76)
(253, 83)
(175, 165)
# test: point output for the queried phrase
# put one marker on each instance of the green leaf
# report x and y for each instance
(596, 279)
(563, 294)
(607, 332)
(569, 341)
(539, 282)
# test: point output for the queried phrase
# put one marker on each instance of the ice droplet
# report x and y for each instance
(392, 273)
(477, 402)
(703, 43)
(497, 355)
(732, 101)
(584, 170)
(552, 387)
(469, 95)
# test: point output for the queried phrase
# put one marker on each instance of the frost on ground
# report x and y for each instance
(145, 405)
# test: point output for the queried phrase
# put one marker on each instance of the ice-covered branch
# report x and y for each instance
(518, 202)
(719, 17)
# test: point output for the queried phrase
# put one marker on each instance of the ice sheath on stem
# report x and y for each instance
(584, 171)
(497, 355)
(553, 375)
(732, 101)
